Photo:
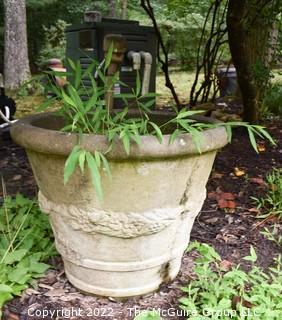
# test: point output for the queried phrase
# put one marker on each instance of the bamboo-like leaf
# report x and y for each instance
(71, 163)
(81, 160)
(95, 174)
(229, 132)
(265, 134)
(174, 135)
(72, 64)
(67, 128)
(148, 104)
(55, 90)
(68, 99)
(76, 99)
(45, 104)
(101, 76)
(183, 123)
(252, 138)
(97, 158)
(90, 69)
(196, 137)
(158, 131)
(91, 102)
(136, 138)
(109, 55)
(183, 114)
(126, 142)
(78, 73)
(150, 95)
(106, 165)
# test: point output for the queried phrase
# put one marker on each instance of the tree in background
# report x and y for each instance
(16, 64)
(112, 9)
(124, 9)
(209, 53)
(250, 23)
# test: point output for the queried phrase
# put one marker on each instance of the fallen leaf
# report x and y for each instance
(254, 210)
(212, 220)
(239, 300)
(45, 286)
(55, 293)
(30, 291)
(226, 265)
(230, 219)
(50, 278)
(241, 194)
(212, 195)
(17, 177)
(225, 200)
(228, 238)
(3, 163)
(258, 181)
(223, 203)
(239, 172)
(227, 196)
(261, 147)
(217, 175)
(273, 187)
(10, 315)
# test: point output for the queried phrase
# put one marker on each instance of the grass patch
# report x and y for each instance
(224, 293)
(26, 242)
(271, 204)
(182, 81)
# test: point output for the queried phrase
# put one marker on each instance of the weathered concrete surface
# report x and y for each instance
(134, 240)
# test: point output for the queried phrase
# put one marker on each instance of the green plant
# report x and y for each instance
(273, 235)
(148, 315)
(54, 43)
(272, 102)
(26, 242)
(92, 115)
(234, 294)
(271, 204)
(31, 87)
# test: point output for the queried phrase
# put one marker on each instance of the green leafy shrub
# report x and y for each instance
(54, 43)
(148, 315)
(233, 294)
(93, 116)
(272, 102)
(273, 234)
(26, 242)
(271, 204)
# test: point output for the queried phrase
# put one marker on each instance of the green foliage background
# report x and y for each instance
(44, 14)
(180, 21)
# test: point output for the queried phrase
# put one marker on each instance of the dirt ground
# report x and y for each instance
(227, 221)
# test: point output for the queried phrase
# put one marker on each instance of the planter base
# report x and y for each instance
(107, 265)
(122, 284)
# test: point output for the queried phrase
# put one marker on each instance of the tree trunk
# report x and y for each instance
(16, 64)
(112, 8)
(124, 9)
(248, 32)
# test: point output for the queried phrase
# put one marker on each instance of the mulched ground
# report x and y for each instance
(238, 174)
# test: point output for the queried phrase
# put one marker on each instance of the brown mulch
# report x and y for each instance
(231, 231)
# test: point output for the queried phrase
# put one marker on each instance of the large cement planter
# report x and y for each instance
(134, 240)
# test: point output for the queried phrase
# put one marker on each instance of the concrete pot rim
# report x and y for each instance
(26, 133)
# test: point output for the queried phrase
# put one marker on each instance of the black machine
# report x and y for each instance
(7, 105)
(86, 42)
